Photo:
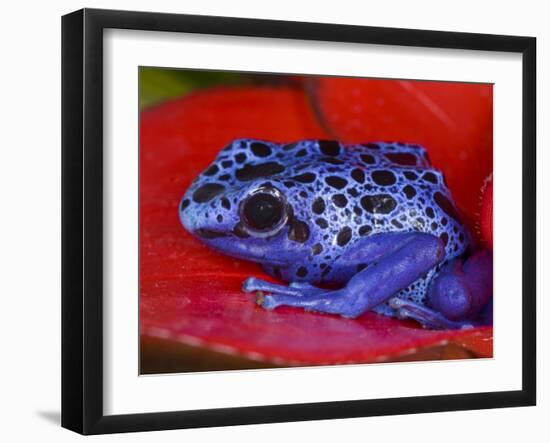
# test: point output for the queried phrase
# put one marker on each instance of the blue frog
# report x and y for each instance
(351, 228)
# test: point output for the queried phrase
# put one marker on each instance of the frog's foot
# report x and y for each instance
(280, 294)
(320, 300)
(296, 289)
(425, 316)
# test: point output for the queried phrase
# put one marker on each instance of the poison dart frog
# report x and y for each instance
(350, 228)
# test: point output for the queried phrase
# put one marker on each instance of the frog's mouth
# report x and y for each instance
(209, 233)
(264, 260)
(234, 245)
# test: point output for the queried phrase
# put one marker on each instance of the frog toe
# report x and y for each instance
(249, 284)
(267, 302)
(253, 284)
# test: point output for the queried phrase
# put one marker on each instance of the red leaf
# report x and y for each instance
(453, 120)
(211, 310)
(192, 295)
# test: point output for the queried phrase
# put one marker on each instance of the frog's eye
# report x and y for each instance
(264, 212)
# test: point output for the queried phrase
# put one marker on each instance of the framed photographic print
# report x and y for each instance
(269, 221)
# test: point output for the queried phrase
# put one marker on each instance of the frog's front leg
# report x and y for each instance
(406, 259)
(456, 296)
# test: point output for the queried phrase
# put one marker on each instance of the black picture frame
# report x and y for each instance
(82, 218)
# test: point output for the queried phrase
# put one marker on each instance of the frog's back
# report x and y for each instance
(366, 189)
(348, 192)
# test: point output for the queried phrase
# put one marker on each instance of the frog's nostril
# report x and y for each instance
(184, 204)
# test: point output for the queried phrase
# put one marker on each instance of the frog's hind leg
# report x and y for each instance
(462, 290)
(457, 295)
(413, 257)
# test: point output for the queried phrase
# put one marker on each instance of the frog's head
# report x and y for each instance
(254, 220)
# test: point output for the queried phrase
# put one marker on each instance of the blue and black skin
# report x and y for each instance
(375, 220)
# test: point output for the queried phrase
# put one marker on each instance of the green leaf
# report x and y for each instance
(159, 84)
